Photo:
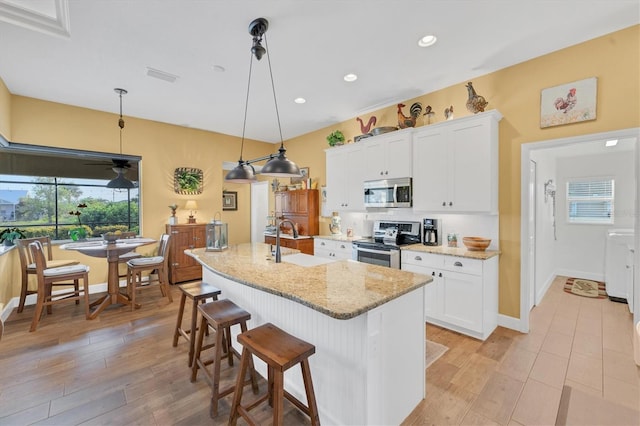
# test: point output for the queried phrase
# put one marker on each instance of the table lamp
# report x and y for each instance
(192, 206)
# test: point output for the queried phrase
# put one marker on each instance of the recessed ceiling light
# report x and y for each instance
(218, 68)
(299, 100)
(350, 77)
(612, 142)
(428, 40)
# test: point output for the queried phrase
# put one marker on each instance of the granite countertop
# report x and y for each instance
(453, 251)
(340, 289)
(287, 236)
(339, 237)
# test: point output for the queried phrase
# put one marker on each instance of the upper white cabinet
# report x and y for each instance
(455, 165)
(388, 156)
(345, 168)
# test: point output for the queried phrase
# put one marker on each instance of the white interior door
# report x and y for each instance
(259, 210)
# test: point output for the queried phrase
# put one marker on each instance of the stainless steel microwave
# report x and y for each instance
(388, 193)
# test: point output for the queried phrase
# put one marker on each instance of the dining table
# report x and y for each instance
(112, 252)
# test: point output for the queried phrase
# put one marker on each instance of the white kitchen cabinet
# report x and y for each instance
(388, 156)
(344, 170)
(331, 249)
(455, 165)
(464, 293)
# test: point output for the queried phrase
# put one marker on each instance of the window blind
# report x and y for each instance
(590, 201)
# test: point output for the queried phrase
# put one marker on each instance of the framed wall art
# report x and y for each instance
(568, 103)
(230, 200)
(305, 174)
(187, 181)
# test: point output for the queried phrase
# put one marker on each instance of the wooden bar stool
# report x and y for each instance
(198, 292)
(220, 316)
(280, 351)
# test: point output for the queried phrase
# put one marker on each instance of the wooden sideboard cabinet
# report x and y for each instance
(183, 237)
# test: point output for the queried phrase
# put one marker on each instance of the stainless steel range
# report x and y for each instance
(385, 245)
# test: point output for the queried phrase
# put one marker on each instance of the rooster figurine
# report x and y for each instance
(475, 102)
(428, 114)
(414, 112)
(366, 129)
(448, 113)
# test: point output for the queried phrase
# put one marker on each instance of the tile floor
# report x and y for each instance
(578, 345)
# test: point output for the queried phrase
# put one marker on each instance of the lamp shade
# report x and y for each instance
(281, 166)
(191, 205)
(242, 173)
(120, 182)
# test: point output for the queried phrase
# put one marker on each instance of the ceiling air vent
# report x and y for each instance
(162, 75)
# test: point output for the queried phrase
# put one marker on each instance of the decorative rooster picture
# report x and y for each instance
(569, 103)
(414, 112)
(566, 104)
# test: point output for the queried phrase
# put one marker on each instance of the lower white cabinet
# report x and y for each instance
(464, 293)
(331, 249)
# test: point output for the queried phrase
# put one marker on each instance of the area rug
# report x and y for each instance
(434, 351)
(585, 288)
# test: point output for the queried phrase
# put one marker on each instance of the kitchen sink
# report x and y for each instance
(305, 260)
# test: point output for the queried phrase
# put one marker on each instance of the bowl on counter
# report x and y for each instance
(476, 243)
(110, 238)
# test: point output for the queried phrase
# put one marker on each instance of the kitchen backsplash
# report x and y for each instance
(463, 225)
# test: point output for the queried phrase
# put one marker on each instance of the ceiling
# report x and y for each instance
(77, 51)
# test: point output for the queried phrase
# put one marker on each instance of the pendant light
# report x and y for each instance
(120, 167)
(278, 165)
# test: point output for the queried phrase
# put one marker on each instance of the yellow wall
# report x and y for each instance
(163, 147)
(515, 91)
(5, 111)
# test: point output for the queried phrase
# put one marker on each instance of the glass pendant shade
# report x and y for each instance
(120, 182)
(242, 173)
(281, 166)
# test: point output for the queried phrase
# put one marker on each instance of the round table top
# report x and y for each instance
(102, 249)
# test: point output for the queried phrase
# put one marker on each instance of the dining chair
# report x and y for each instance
(124, 258)
(28, 265)
(47, 277)
(155, 265)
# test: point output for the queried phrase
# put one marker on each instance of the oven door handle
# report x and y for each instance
(374, 251)
(395, 193)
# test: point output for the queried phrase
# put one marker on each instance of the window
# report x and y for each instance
(590, 201)
(42, 206)
(42, 189)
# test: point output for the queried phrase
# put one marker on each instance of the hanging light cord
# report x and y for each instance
(121, 121)
(273, 88)
(246, 107)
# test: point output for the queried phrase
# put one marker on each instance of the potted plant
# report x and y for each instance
(335, 138)
(78, 233)
(8, 235)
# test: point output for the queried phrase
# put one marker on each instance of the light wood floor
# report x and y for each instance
(122, 369)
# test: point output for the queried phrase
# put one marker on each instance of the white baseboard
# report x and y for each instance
(580, 274)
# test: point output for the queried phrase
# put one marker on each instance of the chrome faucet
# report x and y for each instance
(295, 235)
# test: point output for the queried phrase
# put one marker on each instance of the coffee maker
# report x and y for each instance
(432, 232)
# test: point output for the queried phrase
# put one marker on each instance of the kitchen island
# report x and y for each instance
(366, 321)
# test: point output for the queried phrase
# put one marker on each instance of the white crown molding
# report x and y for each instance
(26, 15)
